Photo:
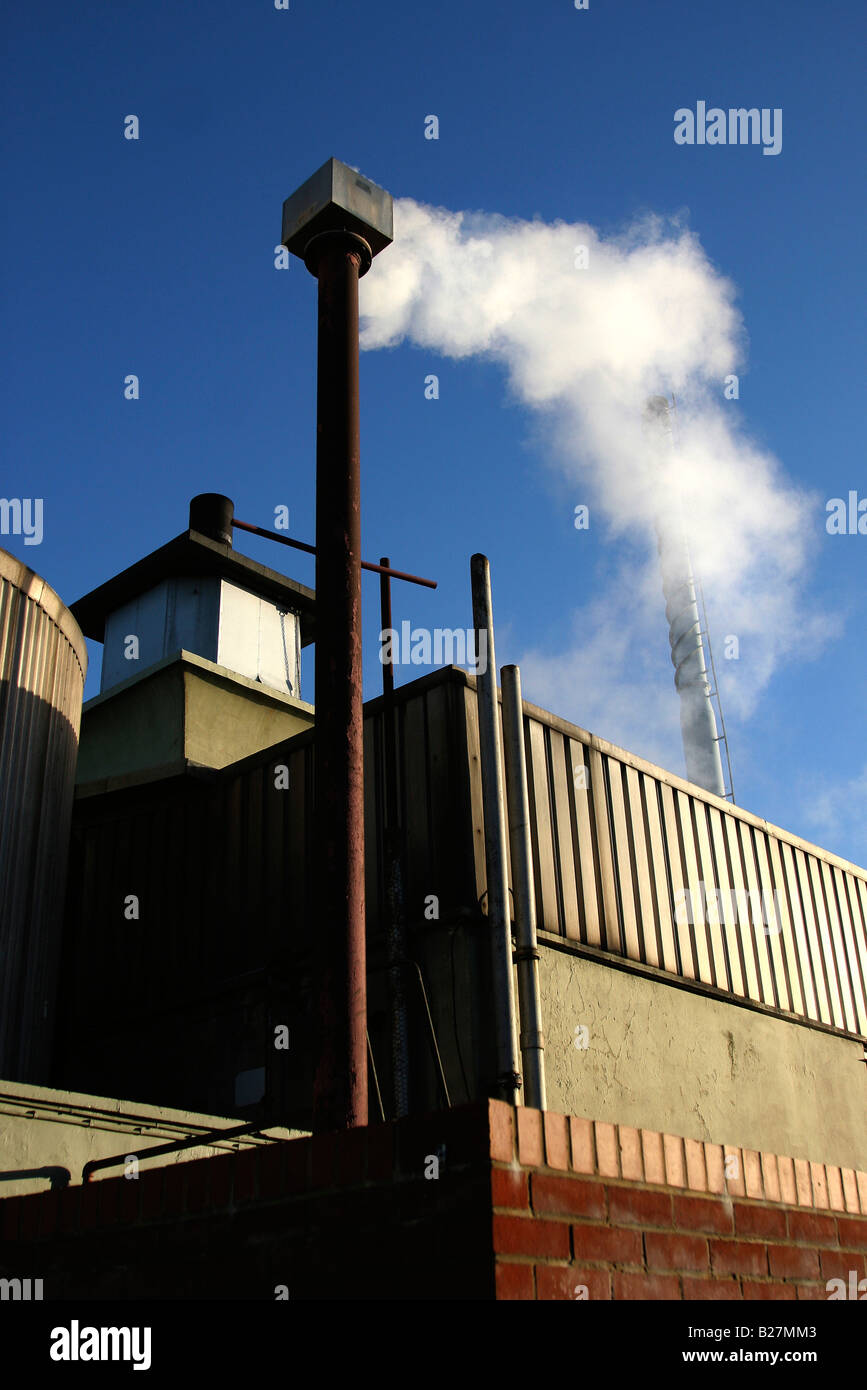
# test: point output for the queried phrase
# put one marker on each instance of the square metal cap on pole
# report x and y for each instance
(337, 198)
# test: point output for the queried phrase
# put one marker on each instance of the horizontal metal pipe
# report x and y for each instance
(193, 1141)
(311, 550)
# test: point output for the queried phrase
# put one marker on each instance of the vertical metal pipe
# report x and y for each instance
(523, 884)
(385, 624)
(340, 1084)
(508, 1078)
(394, 872)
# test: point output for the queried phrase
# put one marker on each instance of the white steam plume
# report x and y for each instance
(585, 347)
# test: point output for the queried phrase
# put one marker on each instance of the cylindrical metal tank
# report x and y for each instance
(43, 662)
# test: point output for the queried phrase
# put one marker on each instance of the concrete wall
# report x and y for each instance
(664, 1058)
(47, 1136)
(183, 708)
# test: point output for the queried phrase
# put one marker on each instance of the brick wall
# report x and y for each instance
(525, 1206)
(335, 1216)
(601, 1211)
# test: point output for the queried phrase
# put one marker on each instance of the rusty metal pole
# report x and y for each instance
(340, 1085)
(336, 222)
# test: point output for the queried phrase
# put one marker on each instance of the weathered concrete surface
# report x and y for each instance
(183, 708)
(44, 1132)
(664, 1058)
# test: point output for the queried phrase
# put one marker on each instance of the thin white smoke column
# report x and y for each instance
(701, 747)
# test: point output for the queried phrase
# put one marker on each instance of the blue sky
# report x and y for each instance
(156, 257)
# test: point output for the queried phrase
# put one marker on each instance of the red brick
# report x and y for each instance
(771, 1178)
(634, 1206)
(271, 1169)
(675, 1251)
(463, 1131)
(501, 1127)
(631, 1165)
(109, 1196)
(199, 1183)
(715, 1290)
(530, 1147)
(753, 1173)
(701, 1214)
(48, 1213)
(654, 1156)
(811, 1229)
(556, 1141)
(608, 1243)
(820, 1185)
(737, 1257)
(567, 1196)
(70, 1202)
(221, 1183)
(10, 1208)
(768, 1292)
(152, 1193)
(510, 1188)
(583, 1145)
(788, 1186)
(88, 1209)
(852, 1232)
(769, 1222)
(793, 1262)
(802, 1182)
(416, 1136)
(129, 1198)
(380, 1151)
(814, 1292)
(675, 1164)
(607, 1155)
(836, 1197)
(244, 1184)
(696, 1173)
(175, 1183)
(646, 1287)
(298, 1162)
(351, 1157)
(836, 1264)
(514, 1282)
(525, 1235)
(323, 1152)
(560, 1282)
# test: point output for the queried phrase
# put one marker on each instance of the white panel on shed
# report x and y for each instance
(176, 614)
(259, 639)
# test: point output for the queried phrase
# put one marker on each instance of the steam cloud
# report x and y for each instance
(585, 347)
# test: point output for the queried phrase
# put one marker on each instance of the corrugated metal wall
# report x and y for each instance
(220, 864)
(43, 660)
(637, 862)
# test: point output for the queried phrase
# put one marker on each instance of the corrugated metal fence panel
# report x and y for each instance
(636, 862)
